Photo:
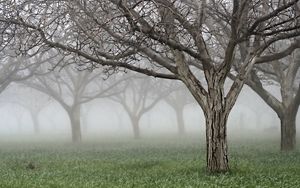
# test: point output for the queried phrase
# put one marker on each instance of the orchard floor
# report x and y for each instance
(148, 162)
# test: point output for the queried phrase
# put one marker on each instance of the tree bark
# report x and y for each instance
(75, 124)
(288, 131)
(216, 113)
(216, 141)
(180, 122)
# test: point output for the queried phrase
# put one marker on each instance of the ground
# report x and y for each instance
(148, 162)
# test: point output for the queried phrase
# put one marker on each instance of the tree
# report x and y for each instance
(14, 69)
(31, 100)
(72, 88)
(140, 95)
(284, 74)
(178, 99)
(171, 37)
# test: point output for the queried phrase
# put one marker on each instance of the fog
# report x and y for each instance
(104, 118)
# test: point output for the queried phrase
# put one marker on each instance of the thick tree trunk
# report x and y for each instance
(216, 116)
(216, 107)
(216, 141)
(75, 124)
(288, 131)
(180, 122)
(135, 127)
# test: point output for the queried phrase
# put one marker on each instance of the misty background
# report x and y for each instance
(103, 117)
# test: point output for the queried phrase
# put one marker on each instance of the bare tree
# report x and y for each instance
(31, 100)
(140, 95)
(283, 72)
(178, 99)
(72, 88)
(171, 37)
(284, 75)
(14, 68)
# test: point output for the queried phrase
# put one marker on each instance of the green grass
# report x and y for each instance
(168, 162)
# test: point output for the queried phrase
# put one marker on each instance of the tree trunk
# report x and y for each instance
(135, 127)
(216, 116)
(180, 122)
(75, 124)
(288, 131)
(216, 107)
(84, 124)
(216, 141)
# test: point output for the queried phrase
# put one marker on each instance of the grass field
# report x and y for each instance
(159, 162)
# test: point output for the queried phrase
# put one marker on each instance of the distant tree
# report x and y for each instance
(28, 99)
(140, 95)
(178, 99)
(15, 68)
(72, 88)
(286, 75)
(85, 111)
